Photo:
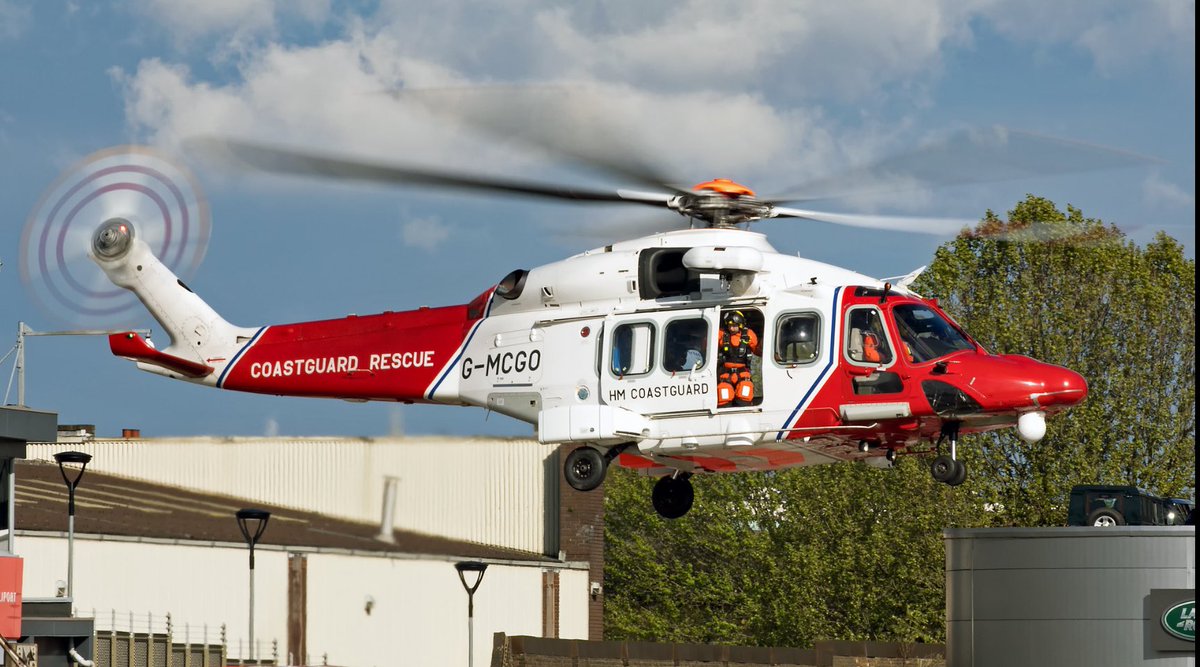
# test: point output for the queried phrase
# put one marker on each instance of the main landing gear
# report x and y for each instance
(948, 469)
(586, 467)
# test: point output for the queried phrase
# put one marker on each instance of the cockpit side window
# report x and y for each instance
(866, 342)
(926, 334)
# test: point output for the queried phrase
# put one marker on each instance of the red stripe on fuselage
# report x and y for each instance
(390, 357)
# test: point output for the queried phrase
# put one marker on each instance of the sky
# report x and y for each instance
(773, 94)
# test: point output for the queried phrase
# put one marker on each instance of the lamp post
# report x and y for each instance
(244, 518)
(82, 460)
(476, 569)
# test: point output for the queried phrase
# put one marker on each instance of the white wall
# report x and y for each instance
(419, 607)
(486, 490)
(574, 595)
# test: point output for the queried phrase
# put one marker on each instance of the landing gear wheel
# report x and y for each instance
(944, 469)
(673, 497)
(585, 468)
(960, 474)
(1106, 518)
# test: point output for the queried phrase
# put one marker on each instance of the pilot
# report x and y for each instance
(735, 345)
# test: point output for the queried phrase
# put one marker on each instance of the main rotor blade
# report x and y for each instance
(987, 155)
(572, 122)
(919, 225)
(282, 160)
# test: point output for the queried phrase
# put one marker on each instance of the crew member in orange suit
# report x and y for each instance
(735, 345)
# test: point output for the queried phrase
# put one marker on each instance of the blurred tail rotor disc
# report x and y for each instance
(159, 196)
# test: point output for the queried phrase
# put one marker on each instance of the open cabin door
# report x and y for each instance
(661, 362)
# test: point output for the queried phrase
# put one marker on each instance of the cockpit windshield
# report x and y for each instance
(926, 334)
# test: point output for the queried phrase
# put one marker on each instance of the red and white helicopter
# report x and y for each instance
(702, 350)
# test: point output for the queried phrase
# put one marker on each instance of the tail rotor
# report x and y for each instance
(105, 198)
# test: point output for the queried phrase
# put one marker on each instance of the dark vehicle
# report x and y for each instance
(1105, 505)
(1180, 512)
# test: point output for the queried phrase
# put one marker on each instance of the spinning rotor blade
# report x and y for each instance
(157, 196)
(1048, 232)
(919, 225)
(281, 160)
(571, 122)
(988, 155)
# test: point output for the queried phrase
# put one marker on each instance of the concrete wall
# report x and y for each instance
(1061, 596)
(418, 605)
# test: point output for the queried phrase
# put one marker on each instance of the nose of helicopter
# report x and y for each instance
(1014, 382)
(1064, 386)
(1046, 386)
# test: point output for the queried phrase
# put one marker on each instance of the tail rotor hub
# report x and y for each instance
(113, 239)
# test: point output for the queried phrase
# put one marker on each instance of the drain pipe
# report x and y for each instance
(79, 659)
(387, 521)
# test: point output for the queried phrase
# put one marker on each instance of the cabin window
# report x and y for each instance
(632, 349)
(686, 345)
(796, 338)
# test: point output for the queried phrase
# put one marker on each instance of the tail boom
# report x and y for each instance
(387, 357)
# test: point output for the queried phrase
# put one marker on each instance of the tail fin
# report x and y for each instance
(199, 336)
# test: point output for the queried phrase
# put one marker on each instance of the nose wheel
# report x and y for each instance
(947, 469)
(673, 496)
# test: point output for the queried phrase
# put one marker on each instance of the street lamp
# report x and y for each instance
(476, 569)
(244, 518)
(82, 460)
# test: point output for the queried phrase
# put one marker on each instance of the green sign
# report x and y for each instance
(1180, 620)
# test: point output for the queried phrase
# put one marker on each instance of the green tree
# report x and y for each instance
(1085, 297)
(786, 558)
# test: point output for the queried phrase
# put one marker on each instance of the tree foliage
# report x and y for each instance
(785, 558)
(1084, 297)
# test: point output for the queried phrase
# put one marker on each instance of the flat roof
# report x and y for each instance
(108, 505)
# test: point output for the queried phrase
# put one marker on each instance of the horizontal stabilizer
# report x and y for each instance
(131, 346)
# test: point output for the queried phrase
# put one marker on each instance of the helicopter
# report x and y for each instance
(695, 351)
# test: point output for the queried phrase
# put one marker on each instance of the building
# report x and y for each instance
(358, 556)
(1079, 595)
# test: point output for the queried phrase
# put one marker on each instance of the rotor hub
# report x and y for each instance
(113, 239)
(721, 204)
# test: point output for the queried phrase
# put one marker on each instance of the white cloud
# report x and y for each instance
(235, 23)
(15, 18)
(670, 82)
(1160, 193)
(271, 428)
(425, 233)
(1118, 35)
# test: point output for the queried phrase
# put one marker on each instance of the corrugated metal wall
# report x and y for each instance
(492, 491)
(417, 616)
(1060, 596)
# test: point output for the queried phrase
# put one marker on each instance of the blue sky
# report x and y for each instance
(770, 93)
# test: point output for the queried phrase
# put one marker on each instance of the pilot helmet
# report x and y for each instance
(735, 320)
